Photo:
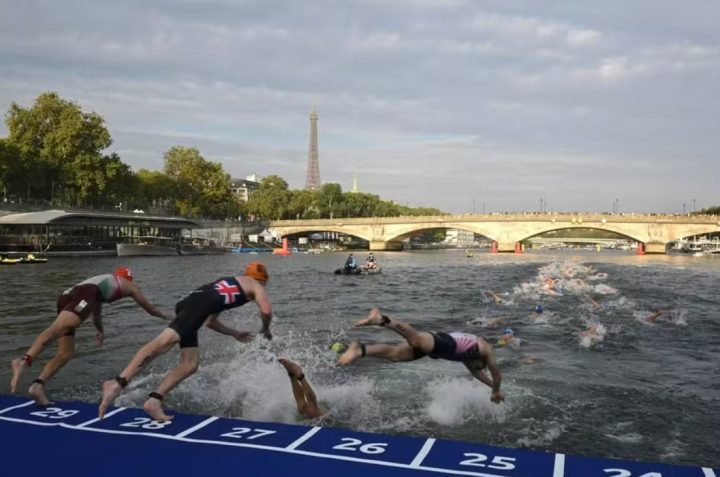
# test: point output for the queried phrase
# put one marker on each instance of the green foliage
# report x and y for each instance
(59, 152)
(11, 169)
(275, 201)
(272, 200)
(56, 152)
(200, 187)
(710, 210)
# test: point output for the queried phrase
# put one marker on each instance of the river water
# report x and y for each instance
(635, 389)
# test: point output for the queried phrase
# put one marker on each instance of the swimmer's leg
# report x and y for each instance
(294, 372)
(313, 409)
(374, 318)
(189, 364)
(66, 350)
(420, 340)
(397, 353)
(158, 346)
(65, 322)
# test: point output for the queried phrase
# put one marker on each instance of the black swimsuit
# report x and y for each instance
(192, 311)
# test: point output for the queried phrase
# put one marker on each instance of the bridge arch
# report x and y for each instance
(655, 232)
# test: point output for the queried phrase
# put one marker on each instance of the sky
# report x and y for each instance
(463, 105)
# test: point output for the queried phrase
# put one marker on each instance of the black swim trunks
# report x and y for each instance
(453, 347)
(192, 311)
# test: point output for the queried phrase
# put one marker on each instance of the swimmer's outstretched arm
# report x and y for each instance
(480, 375)
(214, 324)
(97, 321)
(496, 378)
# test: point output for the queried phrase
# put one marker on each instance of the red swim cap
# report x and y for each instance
(257, 271)
(124, 272)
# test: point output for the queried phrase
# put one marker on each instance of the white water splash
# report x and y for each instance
(453, 401)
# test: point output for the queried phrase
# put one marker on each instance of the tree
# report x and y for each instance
(329, 200)
(11, 170)
(272, 199)
(201, 187)
(302, 204)
(51, 136)
(154, 189)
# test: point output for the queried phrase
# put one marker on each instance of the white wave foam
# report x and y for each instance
(594, 334)
(453, 401)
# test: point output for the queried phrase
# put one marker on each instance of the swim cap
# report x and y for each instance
(510, 331)
(124, 272)
(257, 271)
(337, 347)
(538, 308)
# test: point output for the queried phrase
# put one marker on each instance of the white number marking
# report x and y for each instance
(146, 423)
(55, 413)
(239, 431)
(352, 445)
(498, 462)
(627, 473)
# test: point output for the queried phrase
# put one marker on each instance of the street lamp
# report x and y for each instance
(693, 206)
(683, 208)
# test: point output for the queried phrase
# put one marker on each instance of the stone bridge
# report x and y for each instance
(508, 231)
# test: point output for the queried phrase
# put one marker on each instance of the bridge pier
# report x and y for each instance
(507, 247)
(655, 247)
(380, 245)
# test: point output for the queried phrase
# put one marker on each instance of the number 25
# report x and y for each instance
(500, 463)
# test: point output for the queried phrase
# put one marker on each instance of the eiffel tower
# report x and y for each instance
(312, 181)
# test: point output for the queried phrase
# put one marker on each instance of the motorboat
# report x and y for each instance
(30, 258)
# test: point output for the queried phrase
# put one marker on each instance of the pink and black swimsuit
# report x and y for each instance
(455, 346)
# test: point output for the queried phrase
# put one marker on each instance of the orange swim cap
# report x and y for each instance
(124, 272)
(257, 271)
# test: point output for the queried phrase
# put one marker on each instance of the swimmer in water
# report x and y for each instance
(472, 351)
(655, 315)
(495, 296)
(303, 393)
(508, 338)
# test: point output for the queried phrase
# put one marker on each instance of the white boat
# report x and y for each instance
(147, 246)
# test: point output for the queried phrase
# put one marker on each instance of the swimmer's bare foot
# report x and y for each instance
(18, 366)
(292, 368)
(111, 390)
(37, 392)
(353, 352)
(374, 318)
(153, 407)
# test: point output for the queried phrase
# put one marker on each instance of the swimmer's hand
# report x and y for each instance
(99, 339)
(497, 397)
(243, 336)
(168, 317)
(267, 334)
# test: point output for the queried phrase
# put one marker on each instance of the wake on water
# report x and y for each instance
(246, 381)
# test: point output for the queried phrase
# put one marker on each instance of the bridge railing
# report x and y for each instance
(575, 217)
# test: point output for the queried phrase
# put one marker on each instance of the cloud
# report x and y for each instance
(432, 103)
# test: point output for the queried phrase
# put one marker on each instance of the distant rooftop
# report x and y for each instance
(62, 217)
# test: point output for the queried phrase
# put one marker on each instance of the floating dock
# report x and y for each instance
(67, 439)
